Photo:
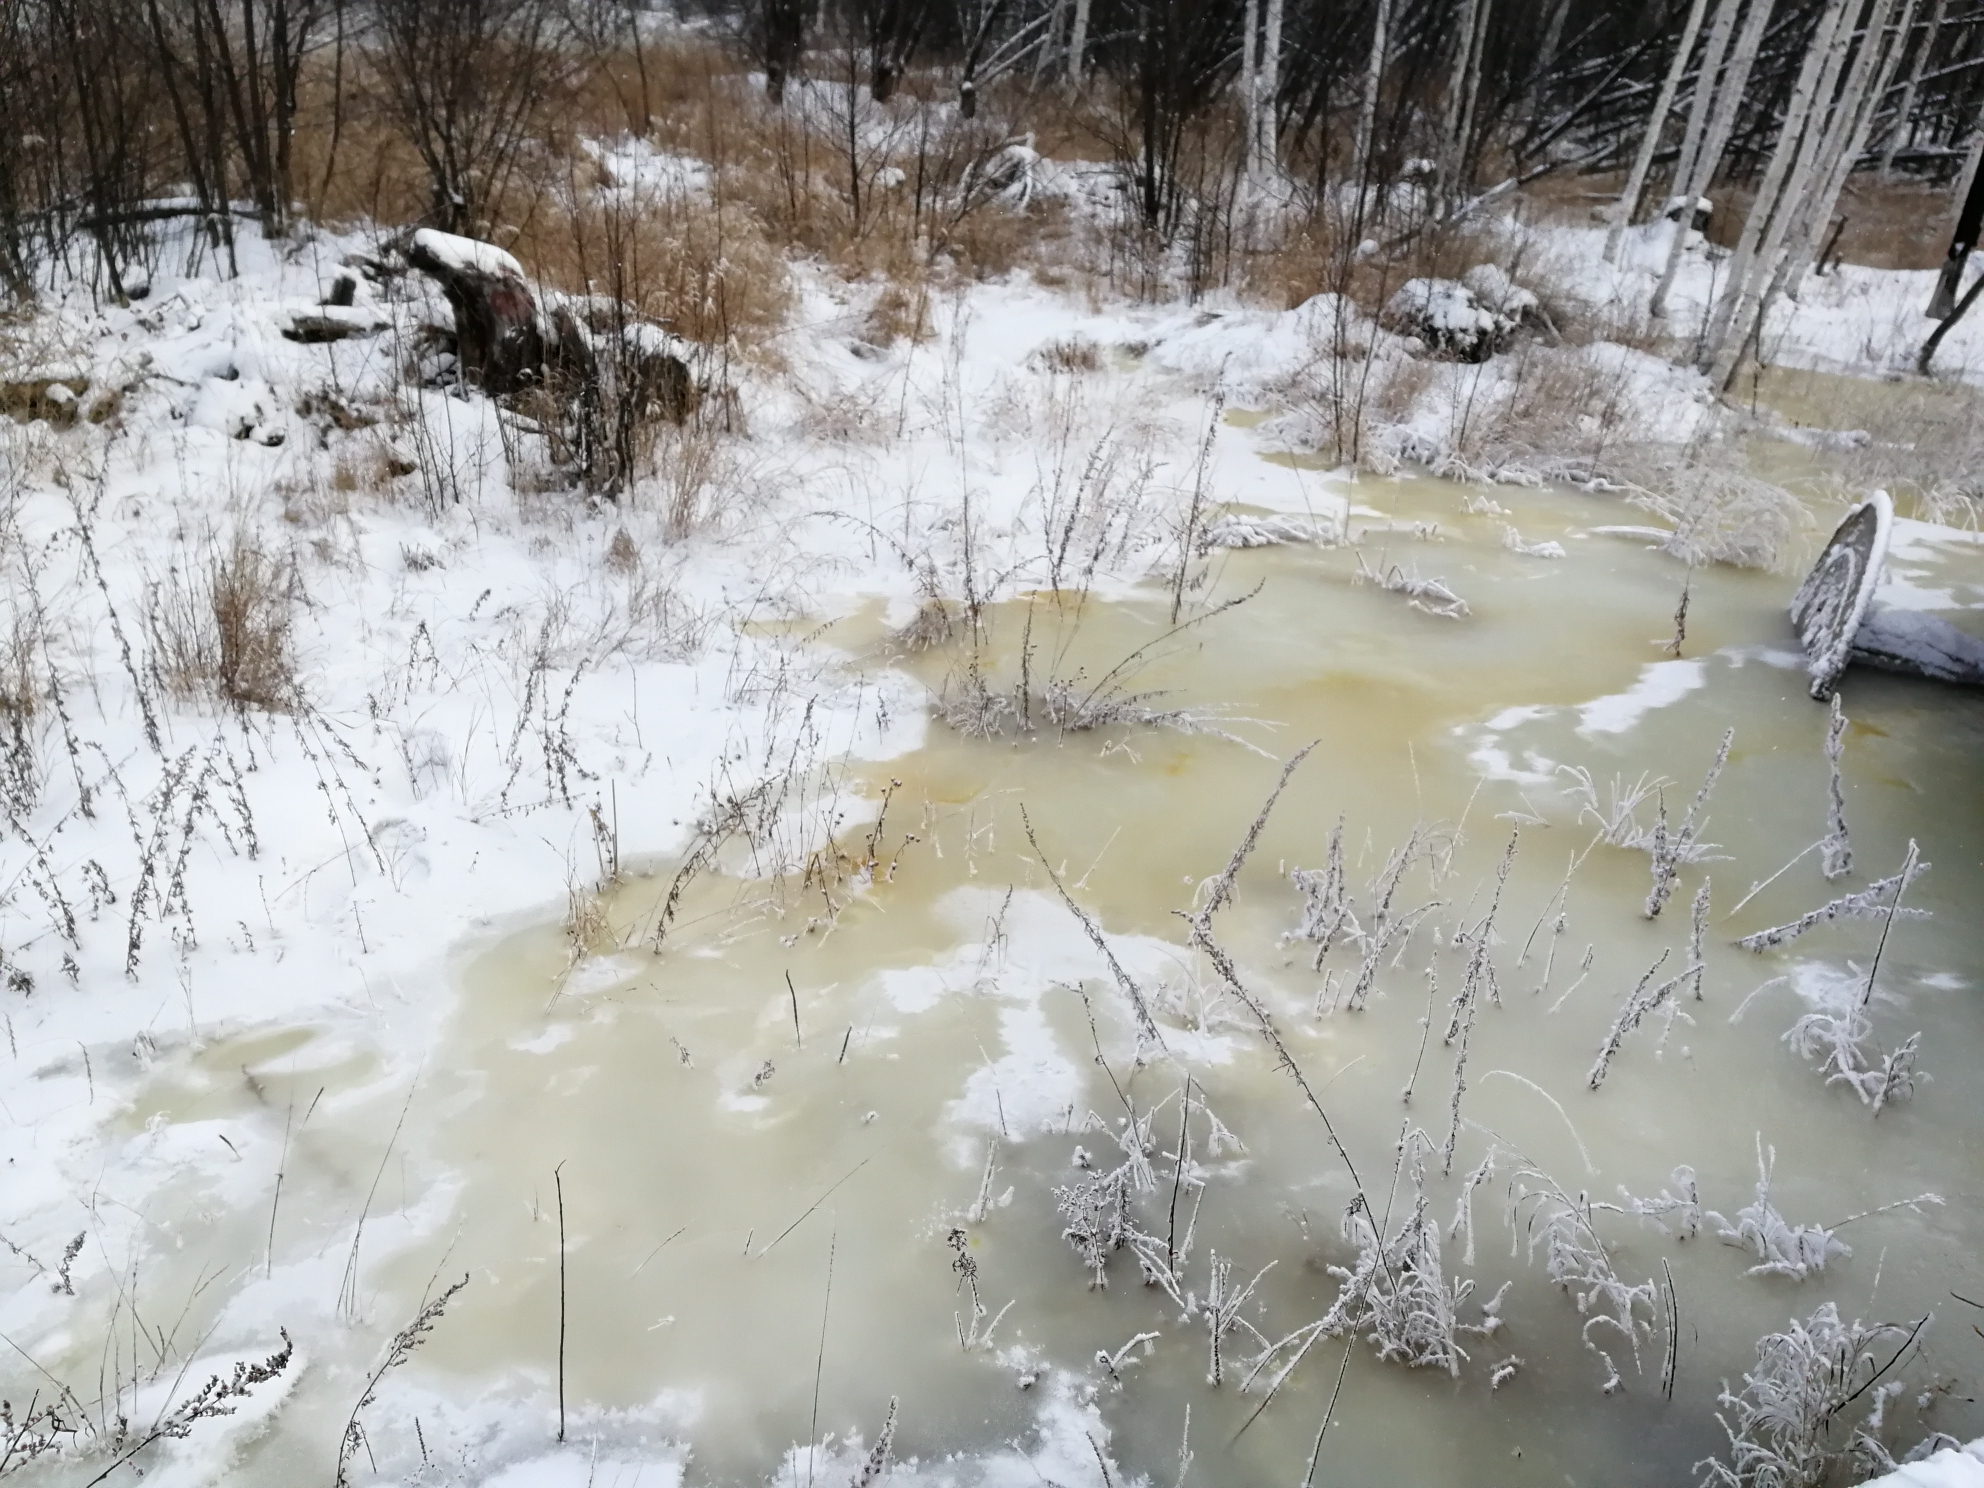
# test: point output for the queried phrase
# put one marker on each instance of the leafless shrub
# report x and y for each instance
(1075, 354)
(1718, 514)
(21, 651)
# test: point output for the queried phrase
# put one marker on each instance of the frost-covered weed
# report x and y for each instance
(1779, 1425)
(1575, 1258)
(1644, 1001)
(1877, 901)
(1430, 595)
(1840, 1036)
(1679, 1207)
(1783, 1249)
(1396, 1293)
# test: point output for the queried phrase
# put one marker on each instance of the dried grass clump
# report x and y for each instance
(1072, 354)
(901, 312)
(588, 930)
(1920, 439)
(21, 643)
(226, 628)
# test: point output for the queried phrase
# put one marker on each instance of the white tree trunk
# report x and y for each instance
(1078, 42)
(1450, 130)
(1715, 54)
(1546, 56)
(1822, 136)
(1898, 136)
(1046, 53)
(1250, 92)
(1622, 211)
(1873, 72)
(1367, 111)
(1267, 152)
(1477, 52)
(1715, 138)
(1793, 140)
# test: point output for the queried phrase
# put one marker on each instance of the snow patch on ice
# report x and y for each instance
(1660, 685)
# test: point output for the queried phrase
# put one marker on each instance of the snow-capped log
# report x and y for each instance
(1009, 173)
(1445, 315)
(1833, 600)
(1919, 643)
(499, 333)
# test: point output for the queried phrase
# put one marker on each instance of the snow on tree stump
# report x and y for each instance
(499, 333)
(1833, 600)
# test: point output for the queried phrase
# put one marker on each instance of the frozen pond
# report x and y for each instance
(784, 1137)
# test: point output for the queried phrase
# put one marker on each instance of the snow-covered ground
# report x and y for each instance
(500, 686)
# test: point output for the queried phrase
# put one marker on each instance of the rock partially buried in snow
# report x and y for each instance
(507, 340)
(1445, 315)
(1491, 285)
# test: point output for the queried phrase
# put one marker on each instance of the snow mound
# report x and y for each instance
(1952, 1467)
(1445, 314)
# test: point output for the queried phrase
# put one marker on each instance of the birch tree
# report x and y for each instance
(1873, 72)
(1078, 42)
(1707, 157)
(1898, 132)
(1783, 176)
(1715, 55)
(1622, 210)
(1264, 156)
(1367, 109)
(1540, 64)
(1466, 68)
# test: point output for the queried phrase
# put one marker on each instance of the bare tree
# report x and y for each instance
(466, 81)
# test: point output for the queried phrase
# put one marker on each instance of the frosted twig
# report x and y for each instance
(1633, 1014)
(1836, 845)
(1887, 925)
(1146, 1025)
(1698, 936)
(1425, 1030)
(1758, 888)
(1864, 905)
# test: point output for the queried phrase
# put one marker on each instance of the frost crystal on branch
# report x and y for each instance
(1783, 1249)
(1872, 902)
(1836, 848)
(1779, 1423)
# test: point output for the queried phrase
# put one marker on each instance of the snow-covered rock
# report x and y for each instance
(1446, 316)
